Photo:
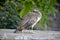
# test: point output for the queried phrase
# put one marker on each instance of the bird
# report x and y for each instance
(29, 20)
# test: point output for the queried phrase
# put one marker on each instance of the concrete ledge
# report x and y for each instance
(7, 34)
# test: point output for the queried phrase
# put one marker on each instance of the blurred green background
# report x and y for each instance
(12, 11)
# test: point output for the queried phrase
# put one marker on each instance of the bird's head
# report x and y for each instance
(36, 11)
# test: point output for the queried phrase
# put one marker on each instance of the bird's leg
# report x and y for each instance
(32, 28)
(29, 28)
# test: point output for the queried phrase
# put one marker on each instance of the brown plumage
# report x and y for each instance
(29, 20)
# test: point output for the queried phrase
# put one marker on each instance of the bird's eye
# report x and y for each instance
(35, 11)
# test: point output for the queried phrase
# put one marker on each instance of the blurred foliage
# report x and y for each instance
(11, 11)
(9, 14)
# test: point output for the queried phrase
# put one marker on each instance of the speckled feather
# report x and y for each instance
(29, 20)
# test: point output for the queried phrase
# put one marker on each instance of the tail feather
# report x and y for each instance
(17, 30)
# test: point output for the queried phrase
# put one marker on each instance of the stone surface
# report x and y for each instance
(7, 34)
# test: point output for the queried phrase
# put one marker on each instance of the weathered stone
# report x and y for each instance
(7, 34)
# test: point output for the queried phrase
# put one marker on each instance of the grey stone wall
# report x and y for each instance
(7, 34)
